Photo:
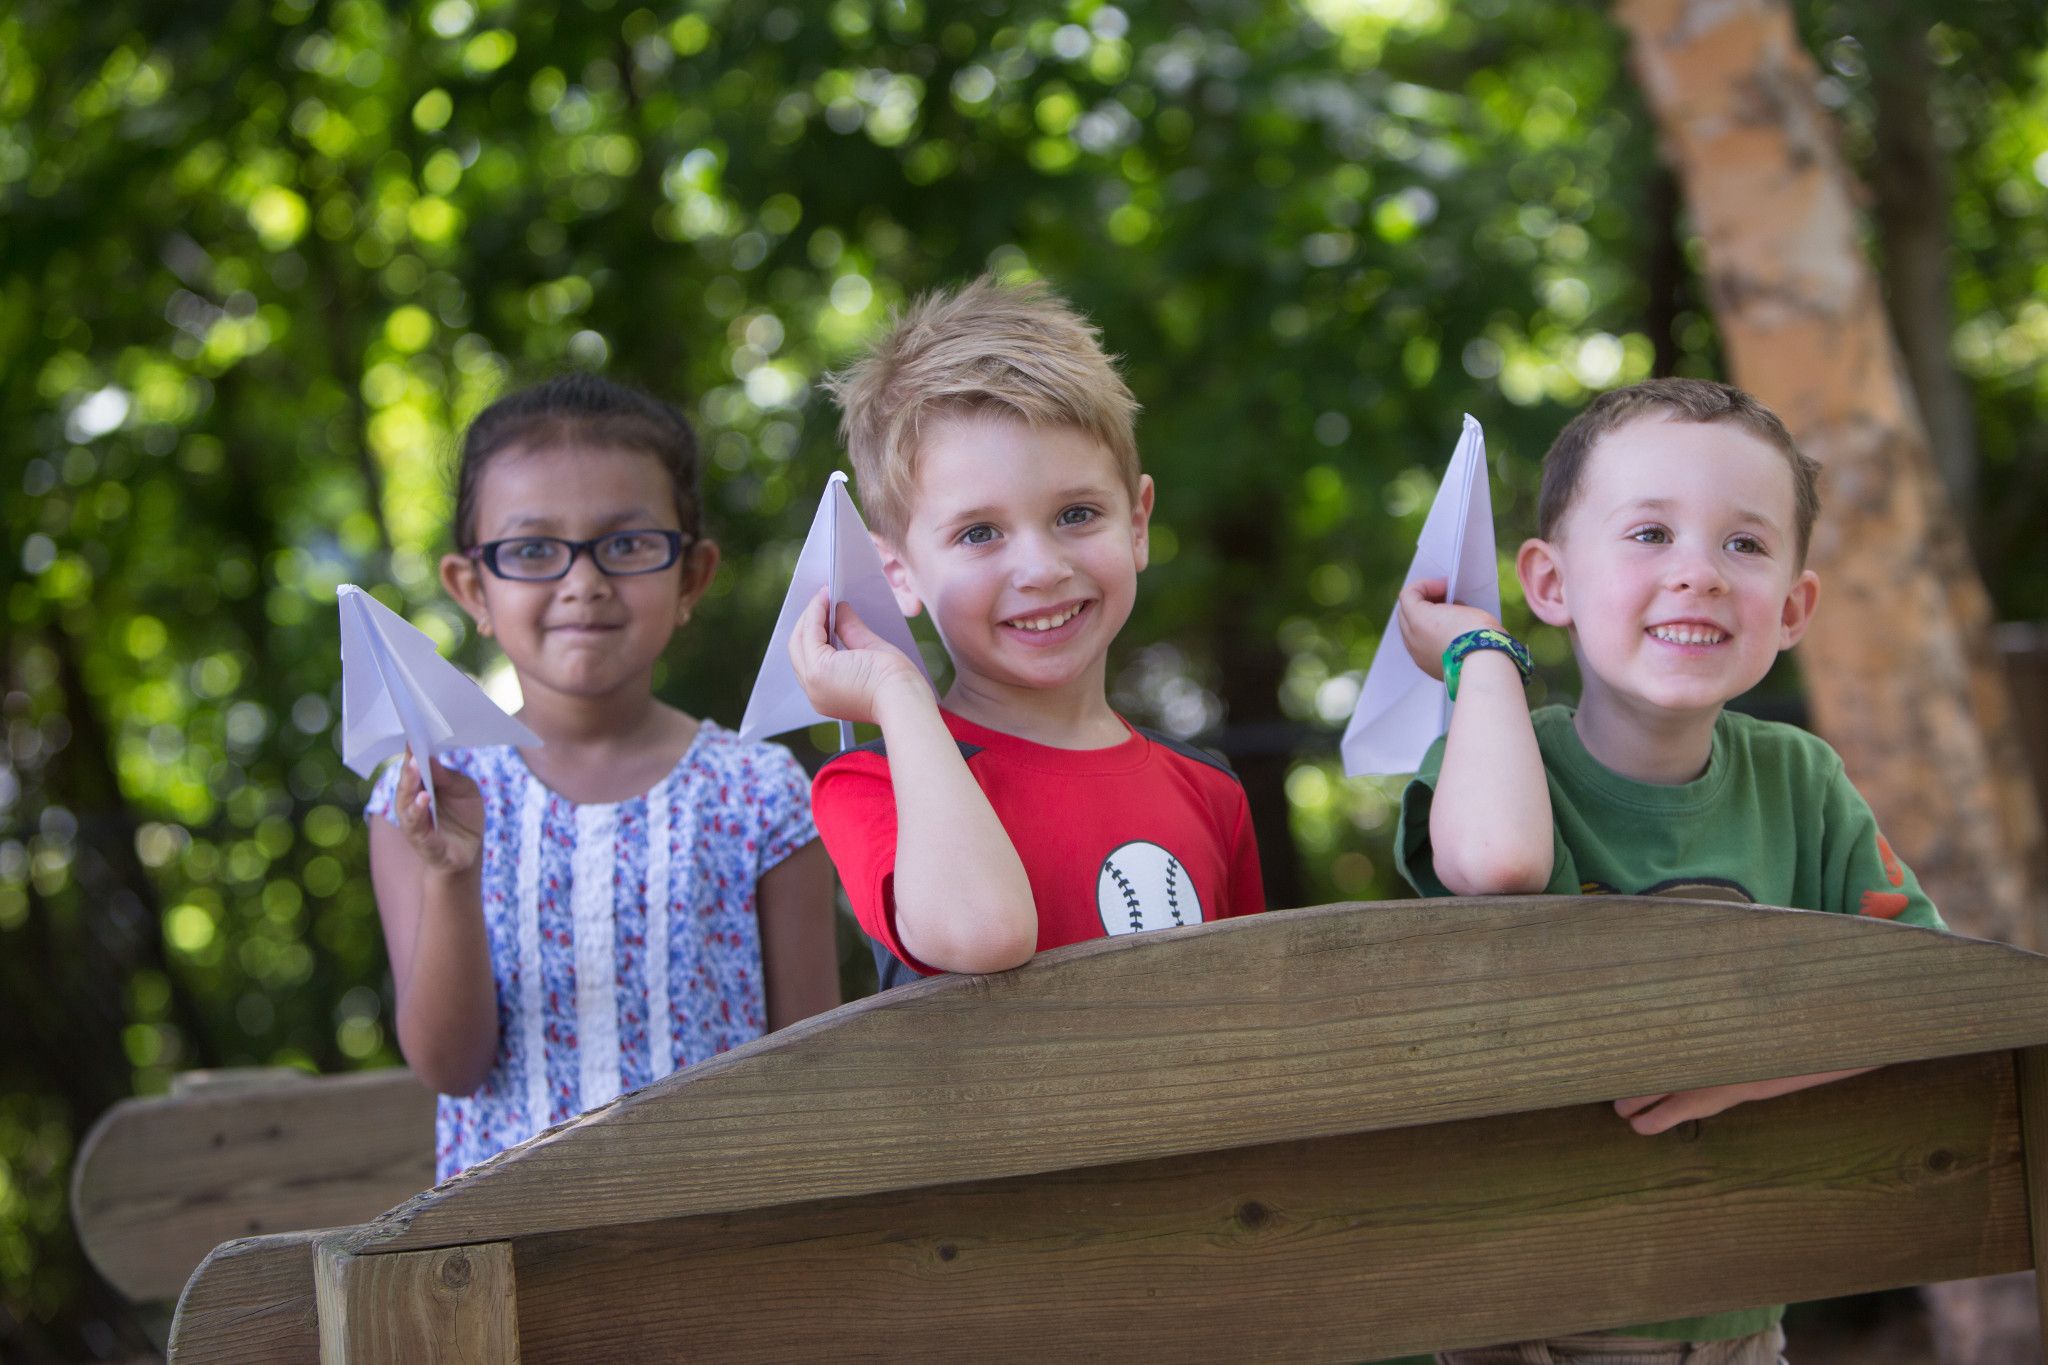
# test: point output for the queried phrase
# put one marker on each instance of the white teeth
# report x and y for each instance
(1052, 622)
(1689, 635)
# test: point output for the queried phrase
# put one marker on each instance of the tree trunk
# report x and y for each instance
(1899, 664)
(1910, 206)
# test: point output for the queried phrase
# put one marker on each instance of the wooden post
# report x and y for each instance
(2032, 1063)
(449, 1306)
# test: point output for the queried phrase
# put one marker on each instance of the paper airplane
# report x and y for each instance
(839, 557)
(397, 691)
(1401, 710)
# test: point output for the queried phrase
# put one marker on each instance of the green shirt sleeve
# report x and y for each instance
(1863, 876)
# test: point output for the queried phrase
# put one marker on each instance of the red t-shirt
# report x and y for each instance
(1142, 835)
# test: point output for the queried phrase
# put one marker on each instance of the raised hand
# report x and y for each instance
(846, 684)
(1429, 624)
(452, 846)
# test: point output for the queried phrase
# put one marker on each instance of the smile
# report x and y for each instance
(1050, 621)
(1688, 634)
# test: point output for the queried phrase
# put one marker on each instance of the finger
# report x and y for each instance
(808, 635)
(1427, 590)
(1629, 1108)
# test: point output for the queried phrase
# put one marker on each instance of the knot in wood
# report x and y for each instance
(947, 1251)
(1689, 1131)
(456, 1272)
(1941, 1161)
(1252, 1214)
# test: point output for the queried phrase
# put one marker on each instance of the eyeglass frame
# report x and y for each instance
(486, 554)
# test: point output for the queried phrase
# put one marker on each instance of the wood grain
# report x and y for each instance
(251, 1302)
(454, 1306)
(2033, 1091)
(161, 1182)
(1329, 1249)
(1295, 1024)
(1338, 1248)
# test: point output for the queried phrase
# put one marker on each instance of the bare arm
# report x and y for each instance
(799, 942)
(1489, 818)
(963, 902)
(430, 900)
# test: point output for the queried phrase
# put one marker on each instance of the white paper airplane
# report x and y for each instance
(839, 557)
(1401, 710)
(397, 691)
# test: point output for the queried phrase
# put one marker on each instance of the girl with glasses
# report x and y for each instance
(644, 890)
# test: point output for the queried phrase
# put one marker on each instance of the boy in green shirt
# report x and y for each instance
(1672, 528)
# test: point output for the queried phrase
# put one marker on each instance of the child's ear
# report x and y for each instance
(463, 579)
(898, 574)
(1541, 570)
(1141, 521)
(1799, 605)
(700, 566)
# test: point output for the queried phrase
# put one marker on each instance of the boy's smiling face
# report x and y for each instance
(1676, 568)
(1025, 544)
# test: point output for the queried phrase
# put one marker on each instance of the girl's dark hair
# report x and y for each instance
(573, 410)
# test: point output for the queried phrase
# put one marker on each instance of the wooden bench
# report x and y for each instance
(1325, 1134)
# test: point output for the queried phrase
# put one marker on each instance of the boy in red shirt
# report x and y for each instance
(991, 440)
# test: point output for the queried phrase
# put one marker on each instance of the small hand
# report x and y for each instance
(452, 845)
(1429, 623)
(846, 684)
(1649, 1114)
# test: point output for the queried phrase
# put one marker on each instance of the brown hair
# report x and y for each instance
(575, 410)
(1684, 400)
(1020, 351)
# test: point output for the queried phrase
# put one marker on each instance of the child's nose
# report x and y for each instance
(585, 579)
(1039, 563)
(1697, 573)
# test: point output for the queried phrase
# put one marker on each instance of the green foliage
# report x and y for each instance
(260, 261)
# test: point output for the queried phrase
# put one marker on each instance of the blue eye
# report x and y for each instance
(1747, 545)
(1650, 535)
(980, 534)
(1077, 516)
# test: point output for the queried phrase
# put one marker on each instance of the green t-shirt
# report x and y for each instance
(1773, 821)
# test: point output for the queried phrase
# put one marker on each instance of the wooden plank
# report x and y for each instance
(161, 1182)
(2032, 1064)
(453, 1306)
(251, 1302)
(1335, 1249)
(1295, 1024)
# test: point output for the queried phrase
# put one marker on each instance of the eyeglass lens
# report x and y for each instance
(622, 552)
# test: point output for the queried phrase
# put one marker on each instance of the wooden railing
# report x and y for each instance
(1324, 1134)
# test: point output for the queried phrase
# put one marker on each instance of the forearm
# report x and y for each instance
(963, 901)
(447, 1000)
(1490, 821)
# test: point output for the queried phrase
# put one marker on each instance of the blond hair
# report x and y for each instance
(1018, 351)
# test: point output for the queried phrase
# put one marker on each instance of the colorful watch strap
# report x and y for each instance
(1472, 641)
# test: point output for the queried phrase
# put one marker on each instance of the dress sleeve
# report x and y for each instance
(782, 795)
(1863, 875)
(384, 792)
(854, 803)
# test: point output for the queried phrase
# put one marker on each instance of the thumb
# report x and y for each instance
(854, 632)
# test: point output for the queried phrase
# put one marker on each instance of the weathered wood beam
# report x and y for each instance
(453, 1306)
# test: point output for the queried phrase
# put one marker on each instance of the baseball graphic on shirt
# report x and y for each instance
(1142, 886)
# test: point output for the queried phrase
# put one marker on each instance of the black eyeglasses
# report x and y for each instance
(540, 559)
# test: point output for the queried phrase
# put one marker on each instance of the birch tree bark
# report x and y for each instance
(1899, 665)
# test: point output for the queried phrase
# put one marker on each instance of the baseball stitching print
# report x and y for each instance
(1142, 886)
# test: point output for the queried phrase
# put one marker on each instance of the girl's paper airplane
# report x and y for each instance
(839, 557)
(398, 692)
(1401, 709)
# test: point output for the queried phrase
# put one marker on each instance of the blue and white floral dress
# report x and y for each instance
(623, 936)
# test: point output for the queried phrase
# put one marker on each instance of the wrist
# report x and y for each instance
(1478, 642)
(902, 697)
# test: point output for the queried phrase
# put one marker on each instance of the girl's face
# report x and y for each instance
(587, 635)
